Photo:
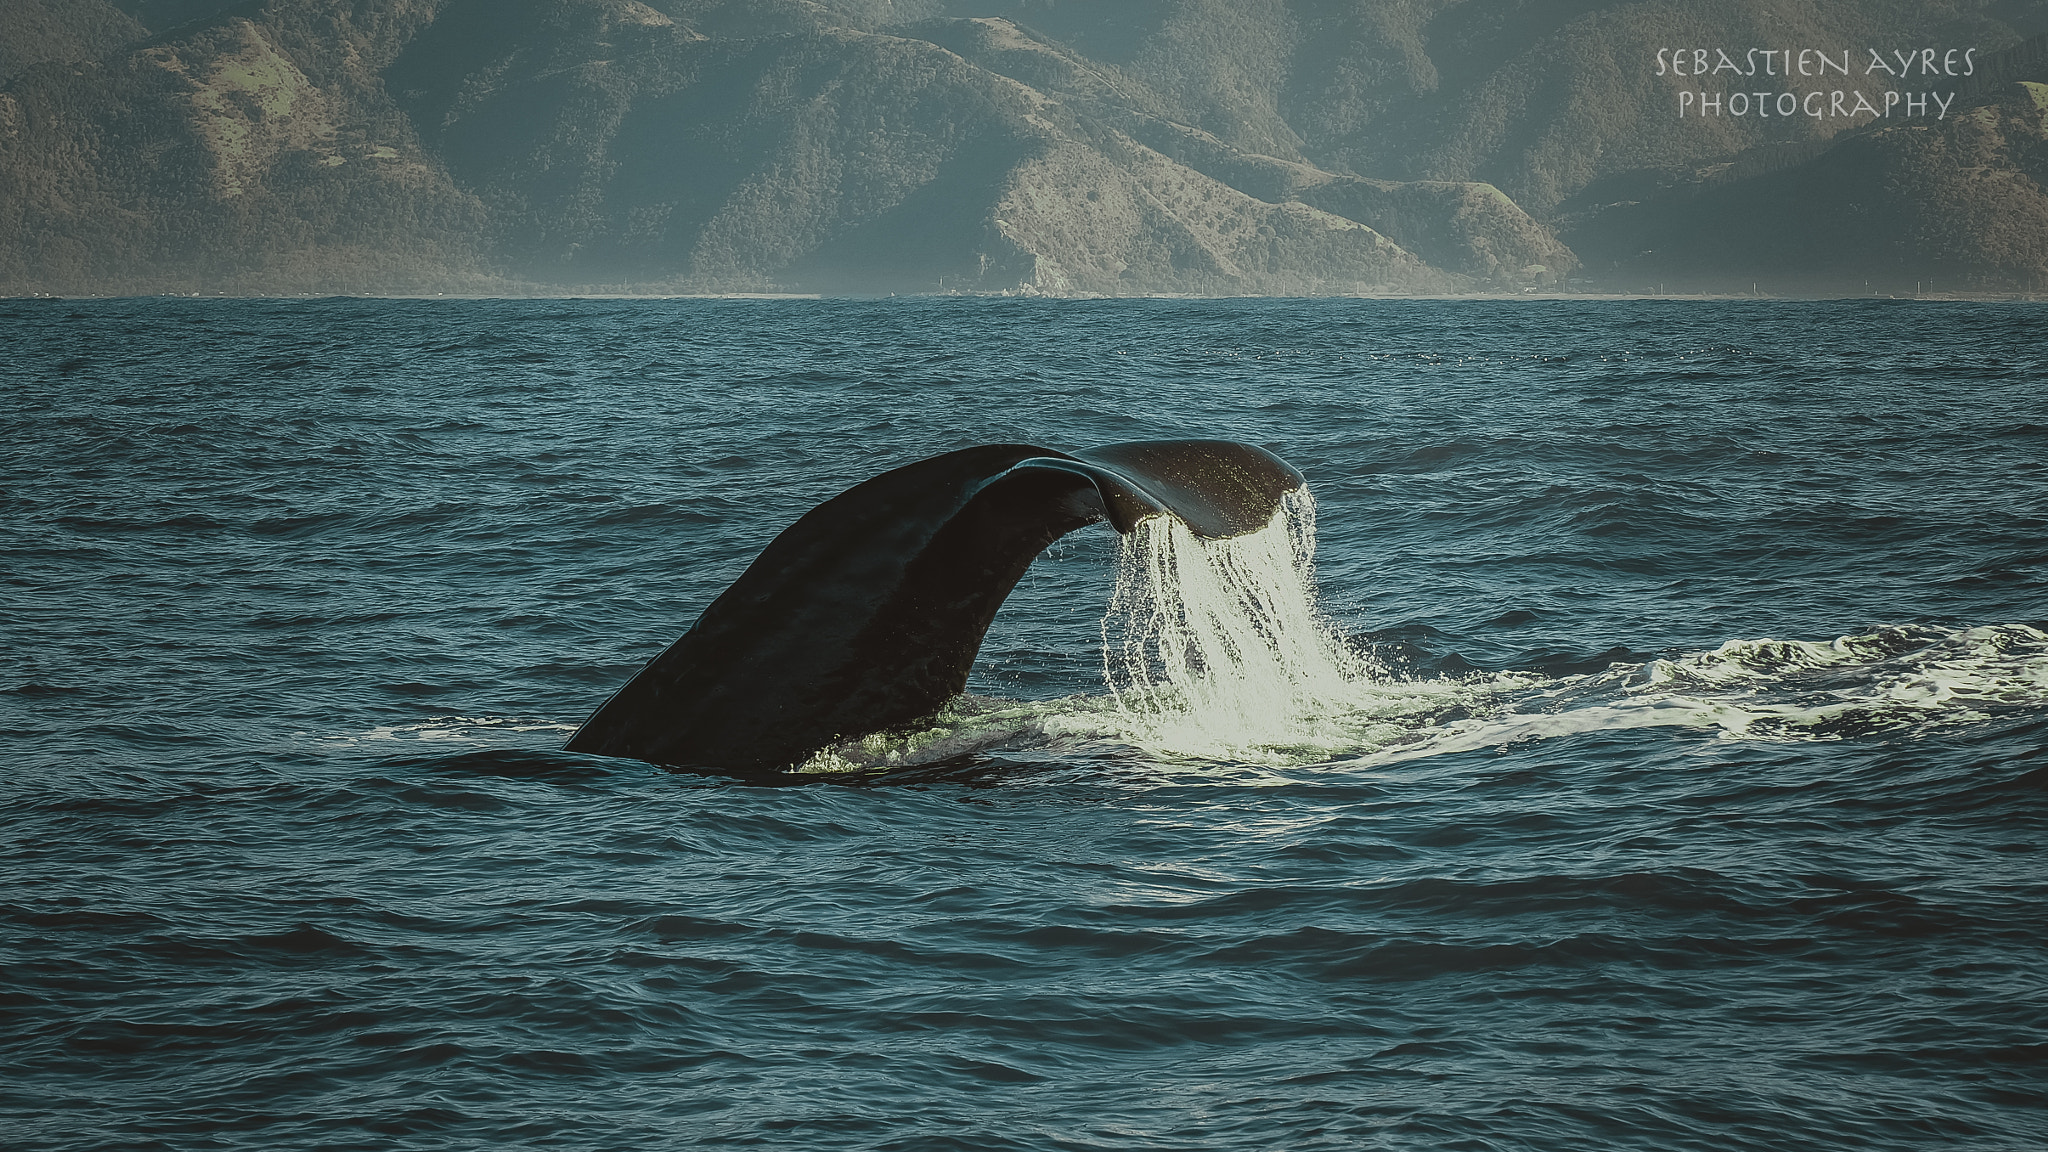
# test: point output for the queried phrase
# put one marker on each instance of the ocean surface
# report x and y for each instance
(1674, 775)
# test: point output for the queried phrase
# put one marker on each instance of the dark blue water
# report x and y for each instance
(301, 599)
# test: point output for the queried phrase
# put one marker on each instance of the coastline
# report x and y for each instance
(1546, 295)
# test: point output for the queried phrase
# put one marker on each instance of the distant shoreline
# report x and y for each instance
(1976, 297)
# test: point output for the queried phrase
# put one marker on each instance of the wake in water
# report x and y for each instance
(1215, 651)
(1895, 682)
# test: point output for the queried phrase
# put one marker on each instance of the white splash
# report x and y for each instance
(1218, 660)
(1216, 649)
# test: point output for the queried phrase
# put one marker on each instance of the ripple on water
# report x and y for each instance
(1671, 778)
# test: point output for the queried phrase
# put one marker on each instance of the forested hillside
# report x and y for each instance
(1113, 146)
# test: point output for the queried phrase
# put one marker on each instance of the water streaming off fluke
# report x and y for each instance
(1215, 648)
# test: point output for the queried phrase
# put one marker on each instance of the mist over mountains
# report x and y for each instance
(1039, 146)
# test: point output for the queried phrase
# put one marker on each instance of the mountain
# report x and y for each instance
(1537, 97)
(243, 155)
(40, 30)
(1954, 203)
(1116, 146)
(633, 148)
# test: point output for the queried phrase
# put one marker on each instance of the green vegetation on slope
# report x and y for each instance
(241, 157)
(1269, 146)
(1957, 203)
(61, 32)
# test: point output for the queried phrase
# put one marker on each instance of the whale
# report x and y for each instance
(867, 613)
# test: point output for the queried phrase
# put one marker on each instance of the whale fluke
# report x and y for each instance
(868, 611)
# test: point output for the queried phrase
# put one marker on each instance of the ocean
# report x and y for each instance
(1662, 762)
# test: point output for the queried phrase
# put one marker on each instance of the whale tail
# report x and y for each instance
(867, 613)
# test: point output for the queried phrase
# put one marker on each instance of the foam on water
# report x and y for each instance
(1214, 651)
(1890, 682)
(1893, 679)
(479, 730)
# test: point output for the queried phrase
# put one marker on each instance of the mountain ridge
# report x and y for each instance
(867, 146)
